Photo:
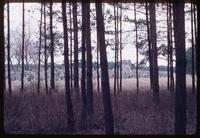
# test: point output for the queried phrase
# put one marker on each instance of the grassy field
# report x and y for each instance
(128, 84)
(30, 113)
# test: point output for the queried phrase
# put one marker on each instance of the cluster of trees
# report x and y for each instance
(175, 27)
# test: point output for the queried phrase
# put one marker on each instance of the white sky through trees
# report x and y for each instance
(32, 16)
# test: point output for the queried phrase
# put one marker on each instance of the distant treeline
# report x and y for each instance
(94, 65)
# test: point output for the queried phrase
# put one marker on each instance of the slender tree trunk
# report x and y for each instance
(40, 43)
(170, 79)
(180, 102)
(115, 64)
(52, 48)
(89, 59)
(192, 33)
(83, 89)
(8, 48)
(117, 50)
(149, 46)
(70, 117)
(168, 47)
(23, 35)
(108, 114)
(70, 19)
(76, 74)
(45, 50)
(121, 48)
(136, 45)
(195, 39)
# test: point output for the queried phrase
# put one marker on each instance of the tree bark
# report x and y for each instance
(8, 49)
(40, 43)
(136, 45)
(197, 51)
(117, 48)
(171, 50)
(70, 117)
(23, 26)
(120, 49)
(149, 45)
(108, 114)
(168, 49)
(170, 79)
(154, 53)
(71, 70)
(115, 64)
(2, 50)
(52, 49)
(180, 97)
(89, 59)
(45, 49)
(83, 89)
(76, 73)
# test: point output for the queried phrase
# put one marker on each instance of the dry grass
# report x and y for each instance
(128, 84)
(30, 113)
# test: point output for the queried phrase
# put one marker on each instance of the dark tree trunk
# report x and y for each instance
(2, 50)
(76, 74)
(168, 47)
(154, 53)
(70, 21)
(117, 49)
(136, 45)
(52, 48)
(180, 97)
(195, 39)
(108, 114)
(40, 43)
(192, 31)
(23, 26)
(8, 48)
(120, 87)
(45, 50)
(115, 64)
(197, 51)
(149, 46)
(83, 89)
(89, 59)
(116, 67)
(98, 44)
(70, 117)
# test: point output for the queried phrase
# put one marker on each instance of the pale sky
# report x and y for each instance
(32, 17)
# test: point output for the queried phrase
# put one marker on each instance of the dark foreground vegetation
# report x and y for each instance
(30, 113)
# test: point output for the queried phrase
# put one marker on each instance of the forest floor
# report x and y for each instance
(30, 113)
